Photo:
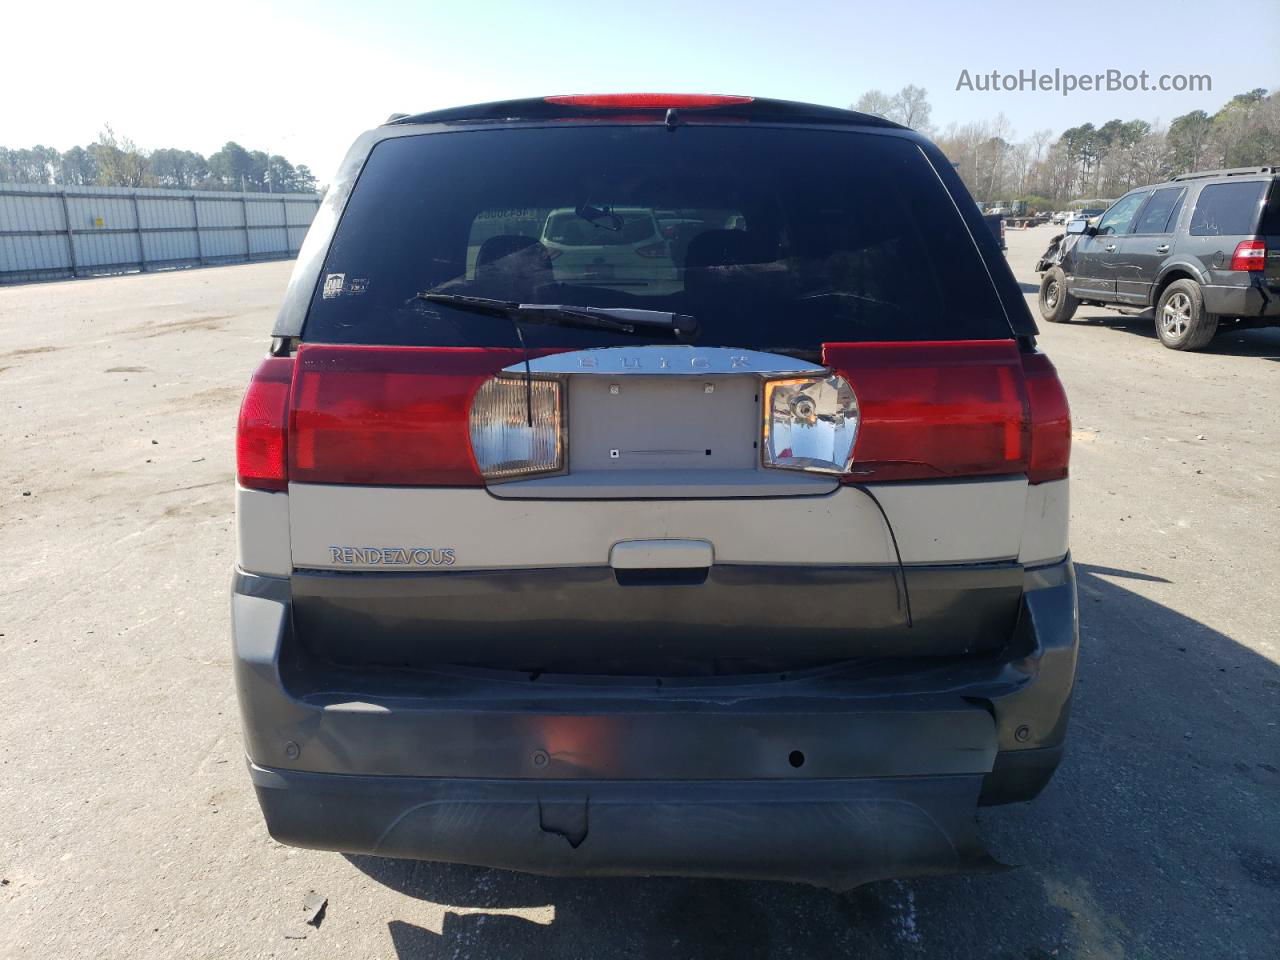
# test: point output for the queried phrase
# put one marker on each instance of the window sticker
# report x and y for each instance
(333, 285)
(336, 284)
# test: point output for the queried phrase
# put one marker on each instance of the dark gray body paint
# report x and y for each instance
(1140, 266)
(554, 619)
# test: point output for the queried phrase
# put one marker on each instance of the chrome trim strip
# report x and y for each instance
(676, 359)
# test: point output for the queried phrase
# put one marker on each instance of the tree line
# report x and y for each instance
(115, 161)
(1091, 160)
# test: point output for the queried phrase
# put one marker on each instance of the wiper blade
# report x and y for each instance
(593, 215)
(628, 320)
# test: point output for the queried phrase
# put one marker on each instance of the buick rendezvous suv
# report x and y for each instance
(749, 564)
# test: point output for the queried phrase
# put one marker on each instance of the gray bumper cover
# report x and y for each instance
(1244, 300)
(835, 834)
(833, 777)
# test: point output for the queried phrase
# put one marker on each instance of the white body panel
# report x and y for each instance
(262, 532)
(1046, 524)
(935, 523)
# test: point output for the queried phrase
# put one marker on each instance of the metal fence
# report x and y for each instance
(50, 233)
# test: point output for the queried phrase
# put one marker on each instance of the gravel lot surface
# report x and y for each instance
(129, 828)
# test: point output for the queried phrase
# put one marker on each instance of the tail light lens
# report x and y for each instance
(261, 432)
(975, 408)
(935, 410)
(809, 424)
(516, 427)
(1050, 420)
(1249, 255)
(388, 415)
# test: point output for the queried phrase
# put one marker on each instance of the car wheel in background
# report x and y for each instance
(1056, 304)
(1181, 320)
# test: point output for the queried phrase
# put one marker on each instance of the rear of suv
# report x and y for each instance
(1202, 250)
(750, 564)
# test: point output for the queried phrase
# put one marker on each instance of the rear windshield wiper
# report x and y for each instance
(593, 216)
(627, 320)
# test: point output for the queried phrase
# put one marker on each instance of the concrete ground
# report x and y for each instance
(129, 828)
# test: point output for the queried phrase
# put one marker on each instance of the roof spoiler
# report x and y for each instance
(573, 107)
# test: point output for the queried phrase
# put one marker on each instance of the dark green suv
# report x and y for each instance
(1203, 249)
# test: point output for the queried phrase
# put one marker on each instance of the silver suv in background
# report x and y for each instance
(748, 559)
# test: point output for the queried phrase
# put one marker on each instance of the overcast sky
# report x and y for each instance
(303, 78)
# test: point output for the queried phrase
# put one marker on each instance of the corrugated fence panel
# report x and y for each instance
(35, 236)
(220, 213)
(47, 232)
(265, 213)
(108, 250)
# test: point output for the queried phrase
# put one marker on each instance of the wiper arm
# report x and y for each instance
(593, 215)
(627, 320)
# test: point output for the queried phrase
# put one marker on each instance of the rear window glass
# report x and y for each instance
(1271, 214)
(774, 238)
(1227, 209)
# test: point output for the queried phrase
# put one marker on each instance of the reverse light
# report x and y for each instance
(653, 101)
(1249, 255)
(516, 427)
(261, 432)
(810, 423)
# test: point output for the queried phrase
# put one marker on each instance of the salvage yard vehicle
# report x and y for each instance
(618, 245)
(1202, 249)
(995, 223)
(760, 571)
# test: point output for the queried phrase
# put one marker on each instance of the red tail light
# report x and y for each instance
(1249, 255)
(1050, 420)
(261, 435)
(654, 101)
(932, 410)
(388, 415)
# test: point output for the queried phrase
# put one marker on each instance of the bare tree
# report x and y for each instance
(875, 102)
(911, 108)
(1039, 141)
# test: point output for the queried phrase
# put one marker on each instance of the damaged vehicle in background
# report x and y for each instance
(1202, 250)
(559, 550)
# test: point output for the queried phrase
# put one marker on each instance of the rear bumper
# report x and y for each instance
(1253, 300)
(830, 833)
(834, 776)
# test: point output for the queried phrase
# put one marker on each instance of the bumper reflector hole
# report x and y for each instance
(796, 759)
